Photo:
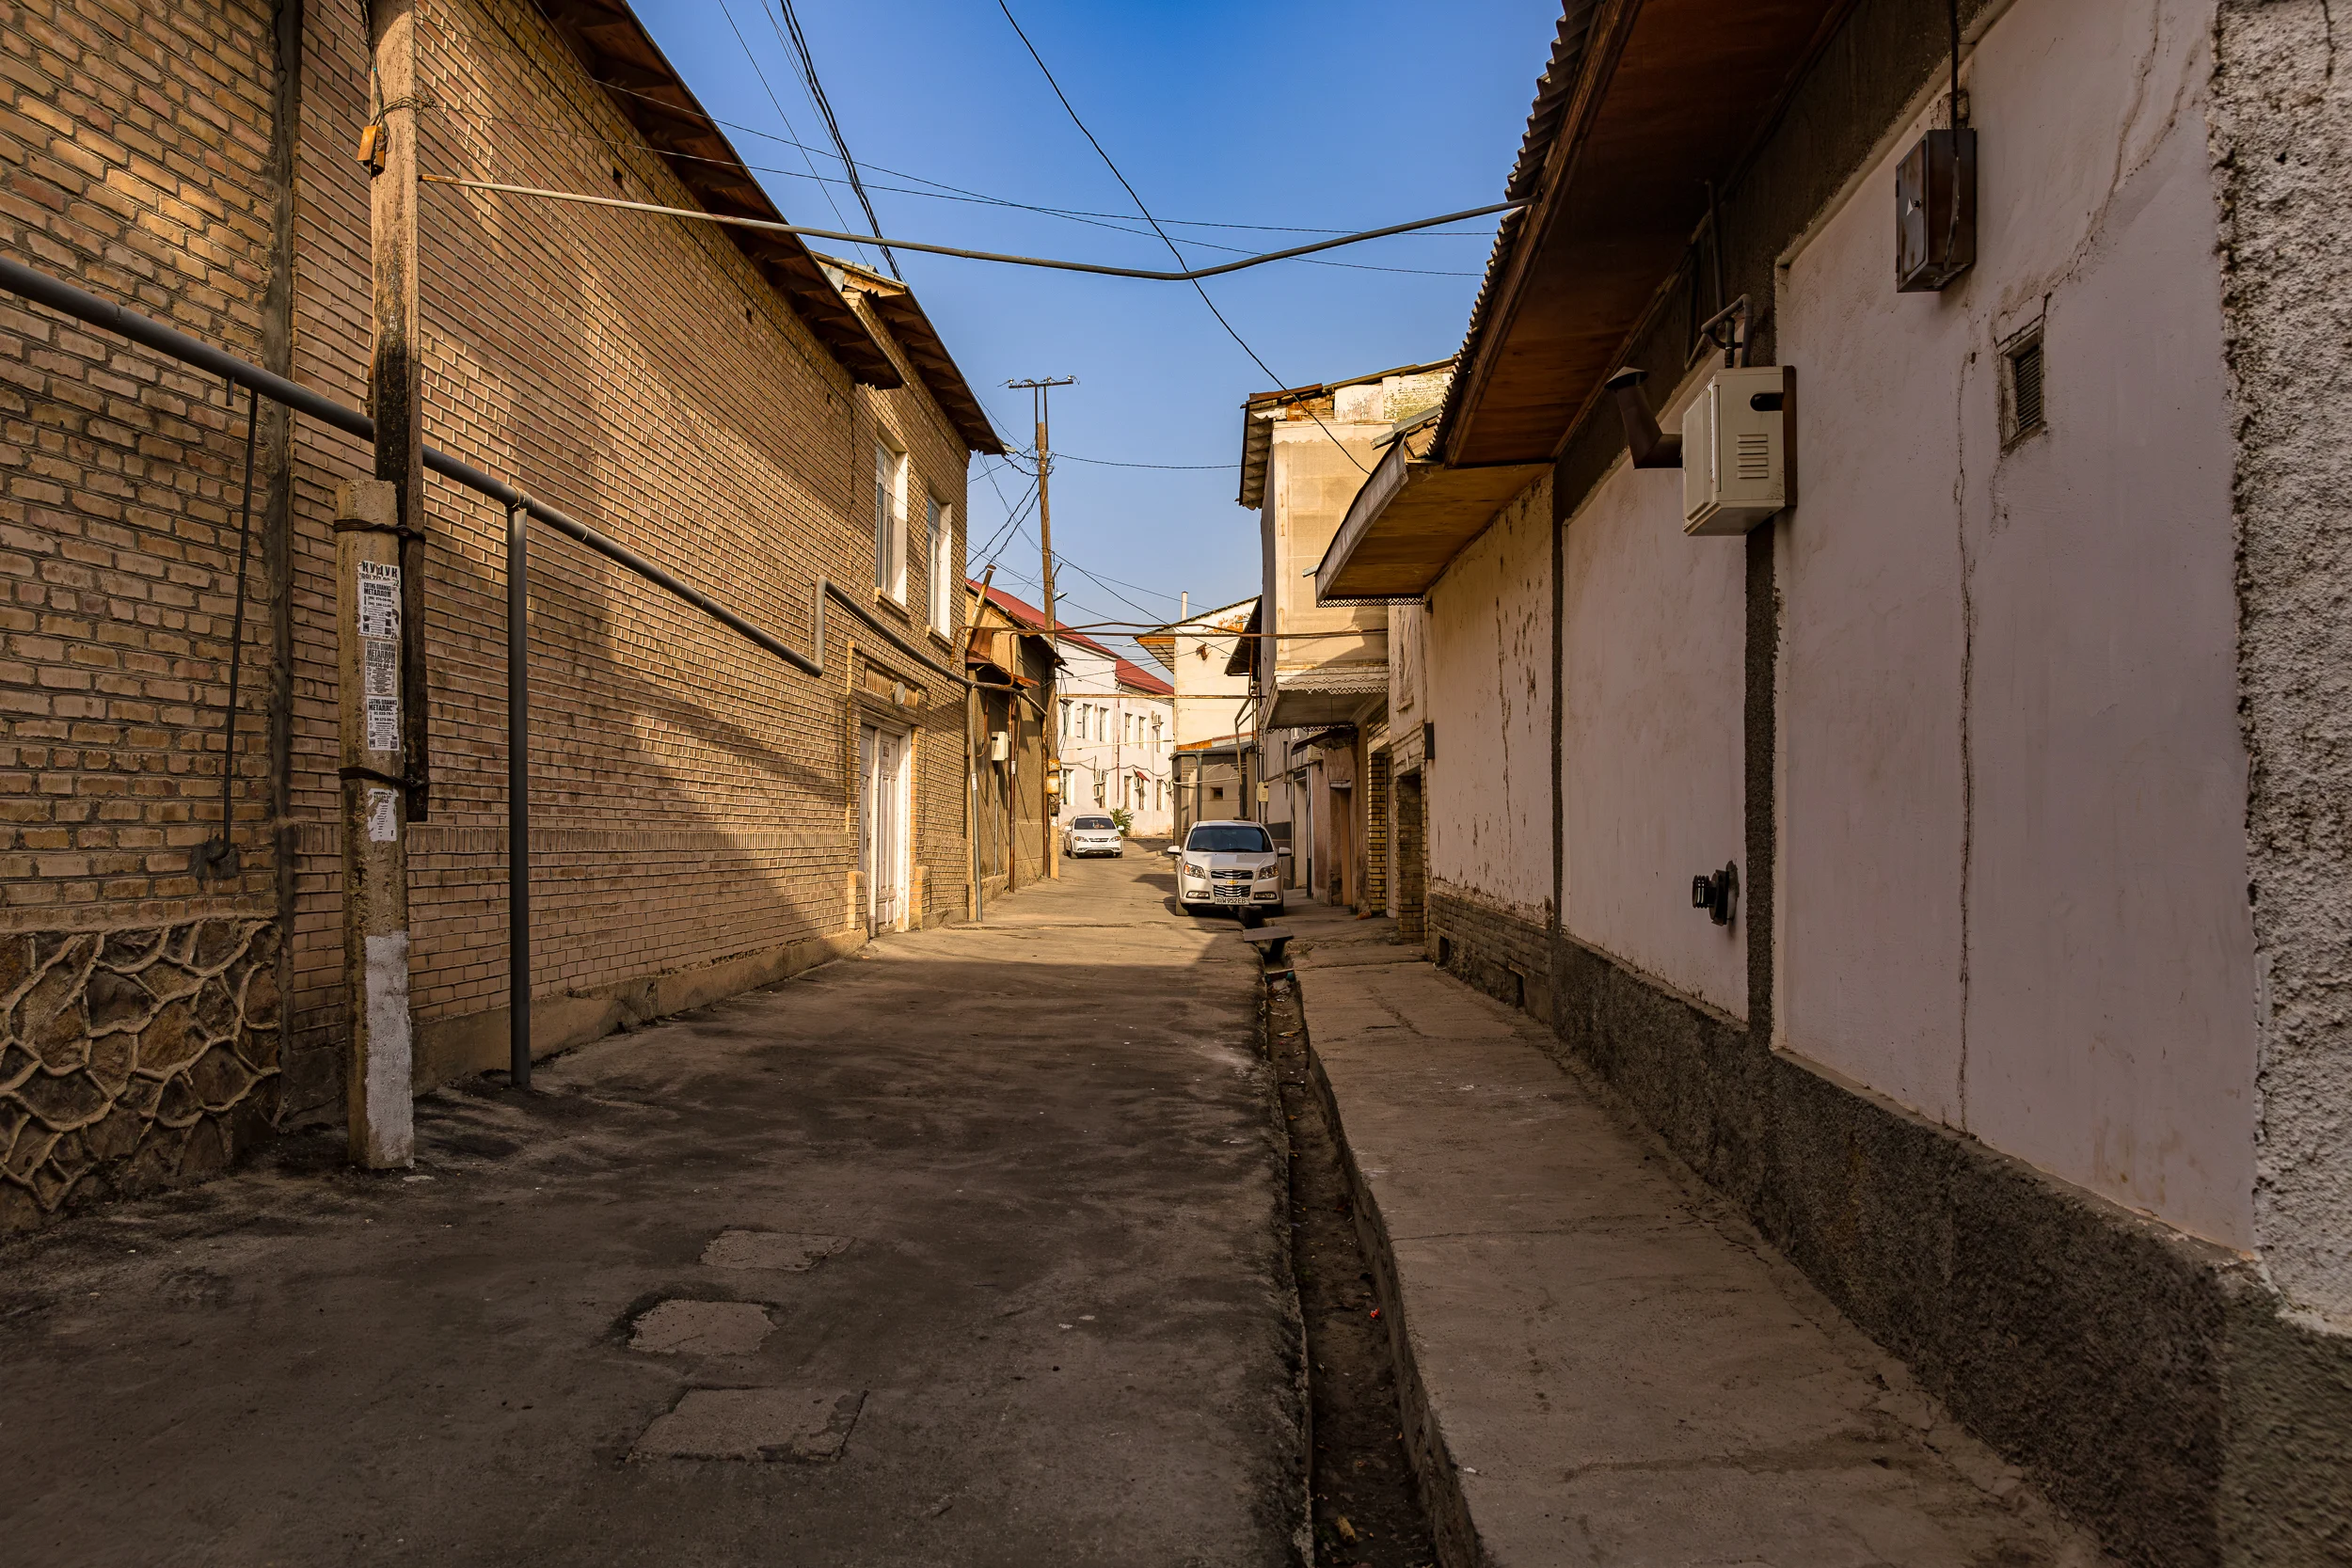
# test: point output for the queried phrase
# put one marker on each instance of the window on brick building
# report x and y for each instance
(890, 521)
(940, 533)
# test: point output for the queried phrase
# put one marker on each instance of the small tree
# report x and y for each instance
(1125, 819)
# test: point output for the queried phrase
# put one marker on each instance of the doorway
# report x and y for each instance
(881, 819)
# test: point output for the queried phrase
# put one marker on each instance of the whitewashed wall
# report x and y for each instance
(1652, 643)
(2012, 787)
(1488, 673)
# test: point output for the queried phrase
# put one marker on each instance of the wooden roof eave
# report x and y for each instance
(618, 55)
(1667, 95)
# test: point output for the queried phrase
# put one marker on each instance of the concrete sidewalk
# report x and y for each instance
(1601, 1362)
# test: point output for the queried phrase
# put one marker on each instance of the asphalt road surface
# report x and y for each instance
(967, 1250)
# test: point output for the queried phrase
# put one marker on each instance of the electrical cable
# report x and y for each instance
(1146, 275)
(1196, 275)
(1004, 200)
(1113, 463)
(778, 103)
(824, 110)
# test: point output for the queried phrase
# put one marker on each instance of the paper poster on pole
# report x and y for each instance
(382, 821)
(379, 600)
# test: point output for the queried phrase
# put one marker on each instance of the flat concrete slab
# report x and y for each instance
(1059, 1117)
(702, 1328)
(783, 1251)
(1607, 1365)
(752, 1424)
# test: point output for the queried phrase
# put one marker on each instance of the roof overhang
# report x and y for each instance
(1409, 519)
(1262, 411)
(896, 303)
(1328, 697)
(1644, 103)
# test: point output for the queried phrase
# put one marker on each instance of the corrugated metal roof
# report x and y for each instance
(1554, 90)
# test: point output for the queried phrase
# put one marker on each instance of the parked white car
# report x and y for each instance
(1228, 866)
(1091, 836)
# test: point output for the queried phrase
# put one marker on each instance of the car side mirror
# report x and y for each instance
(1173, 850)
(1284, 852)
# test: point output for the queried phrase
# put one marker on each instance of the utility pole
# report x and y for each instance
(396, 369)
(1041, 400)
(379, 615)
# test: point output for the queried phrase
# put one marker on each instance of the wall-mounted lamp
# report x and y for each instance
(1651, 447)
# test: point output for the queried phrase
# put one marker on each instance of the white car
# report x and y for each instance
(1228, 866)
(1091, 836)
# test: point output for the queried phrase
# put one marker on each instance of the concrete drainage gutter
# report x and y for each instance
(1434, 1466)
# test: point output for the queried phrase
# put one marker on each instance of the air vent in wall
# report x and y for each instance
(2022, 400)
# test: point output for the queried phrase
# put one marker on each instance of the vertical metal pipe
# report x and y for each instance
(518, 798)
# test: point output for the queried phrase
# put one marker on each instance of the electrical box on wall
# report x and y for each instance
(1739, 462)
(999, 746)
(1936, 212)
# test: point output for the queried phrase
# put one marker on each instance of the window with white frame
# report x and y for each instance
(890, 521)
(941, 533)
(1065, 718)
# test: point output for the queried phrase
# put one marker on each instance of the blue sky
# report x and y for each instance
(1318, 116)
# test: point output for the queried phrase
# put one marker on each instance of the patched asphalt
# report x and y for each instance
(1008, 1202)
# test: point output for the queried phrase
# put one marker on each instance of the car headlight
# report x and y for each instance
(1267, 873)
(1192, 870)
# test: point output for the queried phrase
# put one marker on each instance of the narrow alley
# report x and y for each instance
(992, 1214)
(851, 785)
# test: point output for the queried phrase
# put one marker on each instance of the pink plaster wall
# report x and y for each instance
(1652, 645)
(2012, 786)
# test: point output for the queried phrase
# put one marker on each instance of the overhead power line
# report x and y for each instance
(1193, 276)
(833, 125)
(794, 139)
(1196, 275)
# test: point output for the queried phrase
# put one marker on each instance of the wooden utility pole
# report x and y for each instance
(379, 614)
(1040, 396)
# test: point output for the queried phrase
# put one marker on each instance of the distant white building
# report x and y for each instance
(1118, 738)
(1210, 704)
(1115, 730)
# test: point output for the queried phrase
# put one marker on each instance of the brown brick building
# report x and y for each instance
(724, 402)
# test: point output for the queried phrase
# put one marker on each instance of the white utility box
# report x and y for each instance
(1738, 457)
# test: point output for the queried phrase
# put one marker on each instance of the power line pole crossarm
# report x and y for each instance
(1040, 398)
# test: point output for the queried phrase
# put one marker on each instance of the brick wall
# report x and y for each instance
(692, 797)
(1507, 957)
(138, 1002)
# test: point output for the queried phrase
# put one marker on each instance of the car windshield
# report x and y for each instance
(1093, 822)
(1230, 841)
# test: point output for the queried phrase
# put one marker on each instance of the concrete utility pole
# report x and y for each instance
(1040, 398)
(367, 617)
(379, 604)
(396, 371)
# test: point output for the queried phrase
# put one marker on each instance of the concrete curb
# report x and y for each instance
(1450, 1526)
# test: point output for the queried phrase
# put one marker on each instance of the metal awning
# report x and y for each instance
(1333, 695)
